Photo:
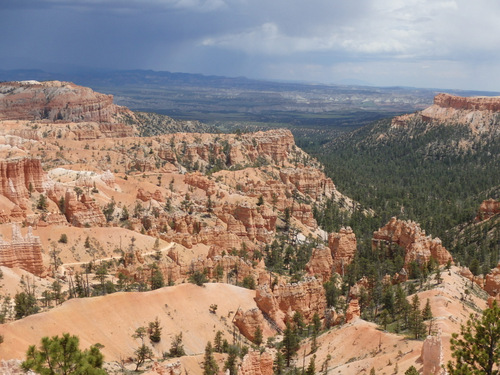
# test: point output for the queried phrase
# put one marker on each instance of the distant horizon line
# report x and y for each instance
(343, 83)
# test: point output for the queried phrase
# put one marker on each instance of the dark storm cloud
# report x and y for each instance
(439, 43)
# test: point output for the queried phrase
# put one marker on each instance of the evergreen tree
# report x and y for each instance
(25, 304)
(218, 342)
(154, 330)
(427, 312)
(279, 363)
(177, 348)
(257, 339)
(311, 368)
(417, 325)
(477, 350)
(210, 366)
(316, 330)
(438, 276)
(42, 203)
(298, 320)
(411, 371)
(142, 353)
(230, 363)
(157, 280)
(332, 291)
(124, 216)
(290, 344)
(62, 355)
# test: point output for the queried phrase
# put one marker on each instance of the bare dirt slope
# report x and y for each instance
(357, 347)
(111, 320)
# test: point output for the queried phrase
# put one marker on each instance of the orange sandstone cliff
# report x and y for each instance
(417, 246)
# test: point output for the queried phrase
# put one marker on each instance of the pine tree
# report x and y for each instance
(157, 280)
(177, 348)
(209, 363)
(417, 325)
(142, 353)
(154, 330)
(411, 371)
(230, 363)
(257, 339)
(62, 355)
(438, 277)
(477, 351)
(279, 363)
(427, 312)
(311, 368)
(290, 344)
(218, 342)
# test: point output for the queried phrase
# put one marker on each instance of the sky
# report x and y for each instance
(420, 43)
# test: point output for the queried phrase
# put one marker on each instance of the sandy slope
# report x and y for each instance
(357, 347)
(112, 319)
(354, 348)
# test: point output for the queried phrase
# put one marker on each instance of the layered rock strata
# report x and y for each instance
(83, 212)
(492, 281)
(307, 297)
(248, 322)
(479, 113)
(56, 101)
(488, 209)
(19, 177)
(23, 252)
(339, 254)
(256, 363)
(417, 246)
(343, 246)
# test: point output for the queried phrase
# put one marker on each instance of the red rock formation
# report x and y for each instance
(52, 218)
(479, 103)
(23, 252)
(167, 153)
(488, 209)
(418, 247)
(477, 112)
(492, 283)
(146, 196)
(321, 263)
(54, 101)
(256, 363)
(196, 179)
(256, 227)
(309, 181)
(248, 322)
(343, 247)
(303, 213)
(307, 297)
(17, 214)
(84, 212)
(492, 300)
(432, 355)
(336, 258)
(356, 290)
(275, 143)
(465, 272)
(18, 176)
(353, 311)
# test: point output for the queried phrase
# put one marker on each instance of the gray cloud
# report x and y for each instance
(432, 43)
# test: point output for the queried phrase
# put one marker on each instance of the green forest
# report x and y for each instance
(435, 175)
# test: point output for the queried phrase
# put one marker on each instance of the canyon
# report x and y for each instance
(82, 192)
